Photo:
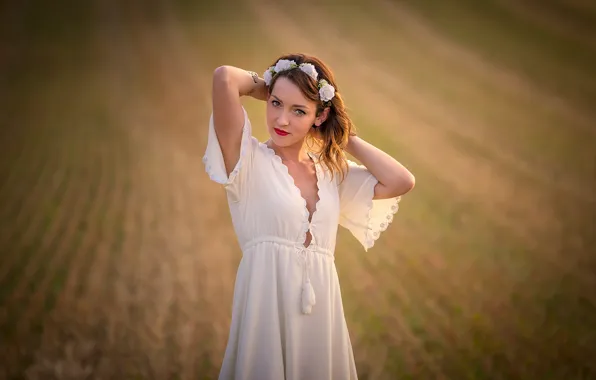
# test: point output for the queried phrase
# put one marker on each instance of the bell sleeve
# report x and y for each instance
(363, 216)
(213, 160)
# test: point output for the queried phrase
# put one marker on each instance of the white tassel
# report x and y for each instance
(308, 297)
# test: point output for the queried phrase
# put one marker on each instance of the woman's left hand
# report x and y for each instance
(394, 179)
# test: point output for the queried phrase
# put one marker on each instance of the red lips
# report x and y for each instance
(280, 132)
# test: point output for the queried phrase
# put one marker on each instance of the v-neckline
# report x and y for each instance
(307, 214)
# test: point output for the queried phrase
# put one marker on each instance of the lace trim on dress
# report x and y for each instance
(377, 224)
(306, 224)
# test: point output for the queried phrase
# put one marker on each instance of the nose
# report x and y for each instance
(283, 118)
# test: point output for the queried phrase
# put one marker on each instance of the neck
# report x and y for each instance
(295, 153)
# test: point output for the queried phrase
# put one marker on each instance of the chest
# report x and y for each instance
(295, 202)
(305, 179)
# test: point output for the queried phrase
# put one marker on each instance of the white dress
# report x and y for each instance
(287, 315)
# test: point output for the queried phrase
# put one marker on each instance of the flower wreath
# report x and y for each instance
(326, 91)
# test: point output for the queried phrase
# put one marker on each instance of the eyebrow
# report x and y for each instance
(294, 105)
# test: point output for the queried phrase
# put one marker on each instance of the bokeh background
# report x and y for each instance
(118, 256)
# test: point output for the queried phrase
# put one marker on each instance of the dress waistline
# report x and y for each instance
(305, 254)
(290, 243)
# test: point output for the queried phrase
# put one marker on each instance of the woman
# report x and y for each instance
(287, 197)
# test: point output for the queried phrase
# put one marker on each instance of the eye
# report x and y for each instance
(275, 103)
(300, 112)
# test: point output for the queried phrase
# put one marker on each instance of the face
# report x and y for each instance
(290, 115)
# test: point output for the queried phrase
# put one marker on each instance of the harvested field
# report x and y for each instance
(117, 254)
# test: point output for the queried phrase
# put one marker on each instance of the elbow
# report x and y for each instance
(222, 81)
(404, 185)
(400, 186)
(221, 74)
(411, 183)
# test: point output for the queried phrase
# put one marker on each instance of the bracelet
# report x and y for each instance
(254, 75)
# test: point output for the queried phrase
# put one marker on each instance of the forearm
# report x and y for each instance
(239, 80)
(393, 177)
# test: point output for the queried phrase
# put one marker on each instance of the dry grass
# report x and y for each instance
(119, 257)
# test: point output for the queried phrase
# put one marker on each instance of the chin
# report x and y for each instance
(282, 141)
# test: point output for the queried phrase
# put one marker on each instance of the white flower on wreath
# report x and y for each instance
(283, 65)
(268, 75)
(309, 69)
(326, 91)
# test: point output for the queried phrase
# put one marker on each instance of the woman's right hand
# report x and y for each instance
(260, 90)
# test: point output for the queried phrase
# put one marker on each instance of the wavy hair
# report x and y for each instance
(331, 137)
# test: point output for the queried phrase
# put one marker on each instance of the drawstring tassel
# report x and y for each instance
(308, 297)
(308, 293)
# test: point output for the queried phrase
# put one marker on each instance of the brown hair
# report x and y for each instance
(338, 126)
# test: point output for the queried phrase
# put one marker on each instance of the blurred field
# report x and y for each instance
(118, 256)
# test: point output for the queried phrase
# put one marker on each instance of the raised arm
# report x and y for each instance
(394, 179)
(229, 84)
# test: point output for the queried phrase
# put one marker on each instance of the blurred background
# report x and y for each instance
(117, 254)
